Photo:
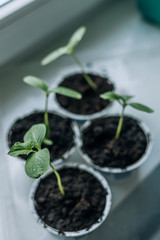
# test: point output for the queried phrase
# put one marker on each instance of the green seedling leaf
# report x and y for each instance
(110, 96)
(68, 49)
(48, 142)
(125, 98)
(36, 134)
(38, 163)
(21, 148)
(76, 38)
(141, 107)
(54, 55)
(36, 82)
(123, 101)
(67, 92)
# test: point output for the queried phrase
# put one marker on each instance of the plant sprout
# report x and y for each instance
(69, 50)
(43, 85)
(123, 100)
(38, 160)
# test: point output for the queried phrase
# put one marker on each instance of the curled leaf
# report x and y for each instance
(21, 148)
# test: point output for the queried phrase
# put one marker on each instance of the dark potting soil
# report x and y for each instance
(105, 151)
(80, 208)
(61, 132)
(90, 102)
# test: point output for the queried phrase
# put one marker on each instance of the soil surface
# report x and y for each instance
(61, 133)
(105, 151)
(90, 102)
(80, 208)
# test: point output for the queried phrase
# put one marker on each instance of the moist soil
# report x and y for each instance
(90, 102)
(80, 208)
(61, 133)
(105, 151)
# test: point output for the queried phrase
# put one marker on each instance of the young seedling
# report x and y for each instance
(69, 50)
(43, 85)
(38, 160)
(123, 100)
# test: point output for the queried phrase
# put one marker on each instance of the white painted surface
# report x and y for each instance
(31, 24)
(117, 40)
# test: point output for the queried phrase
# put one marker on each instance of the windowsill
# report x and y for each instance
(28, 23)
(12, 7)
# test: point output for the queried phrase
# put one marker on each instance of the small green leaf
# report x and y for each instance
(21, 148)
(54, 55)
(141, 107)
(125, 98)
(38, 163)
(110, 96)
(36, 134)
(76, 38)
(67, 92)
(48, 142)
(36, 82)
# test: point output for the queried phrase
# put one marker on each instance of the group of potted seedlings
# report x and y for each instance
(71, 200)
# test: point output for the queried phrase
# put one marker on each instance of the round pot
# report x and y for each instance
(59, 160)
(81, 234)
(116, 173)
(81, 117)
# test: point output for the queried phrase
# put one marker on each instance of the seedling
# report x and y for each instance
(69, 50)
(43, 85)
(38, 160)
(123, 100)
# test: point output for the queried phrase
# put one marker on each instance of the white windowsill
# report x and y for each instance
(29, 22)
(12, 7)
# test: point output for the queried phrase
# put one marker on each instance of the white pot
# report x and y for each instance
(79, 117)
(117, 173)
(68, 153)
(82, 234)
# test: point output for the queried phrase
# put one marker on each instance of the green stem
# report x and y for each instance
(119, 128)
(58, 180)
(85, 75)
(46, 121)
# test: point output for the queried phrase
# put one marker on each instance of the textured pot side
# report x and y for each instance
(82, 234)
(67, 154)
(117, 173)
(80, 117)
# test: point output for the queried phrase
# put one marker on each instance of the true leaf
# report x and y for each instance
(141, 107)
(54, 55)
(125, 98)
(36, 134)
(21, 148)
(36, 82)
(110, 96)
(67, 92)
(48, 142)
(38, 163)
(76, 38)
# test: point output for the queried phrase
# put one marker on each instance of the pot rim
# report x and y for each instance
(129, 168)
(65, 155)
(80, 117)
(82, 232)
